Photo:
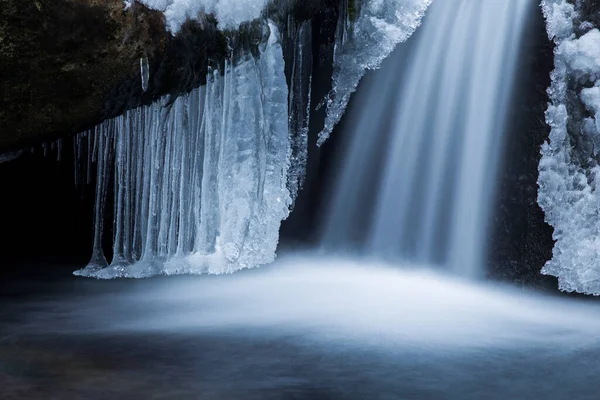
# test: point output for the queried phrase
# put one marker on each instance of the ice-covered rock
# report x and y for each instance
(569, 181)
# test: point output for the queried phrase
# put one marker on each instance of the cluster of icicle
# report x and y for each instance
(367, 32)
(300, 88)
(200, 185)
(569, 180)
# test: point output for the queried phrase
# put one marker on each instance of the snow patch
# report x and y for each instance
(229, 13)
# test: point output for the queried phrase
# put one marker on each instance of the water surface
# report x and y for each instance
(305, 328)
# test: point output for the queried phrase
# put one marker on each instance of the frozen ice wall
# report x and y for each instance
(200, 183)
(569, 181)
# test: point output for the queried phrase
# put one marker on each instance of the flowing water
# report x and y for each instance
(425, 134)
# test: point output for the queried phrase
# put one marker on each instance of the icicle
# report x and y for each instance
(59, 146)
(150, 261)
(275, 199)
(120, 259)
(127, 182)
(175, 179)
(11, 156)
(299, 105)
(95, 146)
(207, 209)
(89, 137)
(145, 72)
(379, 27)
(140, 164)
(191, 126)
(98, 260)
(341, 31)
(77, 157)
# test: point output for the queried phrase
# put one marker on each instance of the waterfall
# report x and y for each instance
(417, 175)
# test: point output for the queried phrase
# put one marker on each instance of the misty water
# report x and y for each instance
(306, 327)
(424, 136)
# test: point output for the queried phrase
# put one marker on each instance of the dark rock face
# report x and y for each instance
(60, 60)
(302, 227)
(521, 241)
(589, 10)
(66, 65)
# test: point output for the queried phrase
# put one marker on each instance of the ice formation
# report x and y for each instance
(10, 156)
(144, 72)
(299, 102)
(200, 184)
(367, 32)
(229, 13)
(363, 41)
(569, 181)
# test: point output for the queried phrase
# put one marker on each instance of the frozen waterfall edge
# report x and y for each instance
(200, 182)
(569, 171)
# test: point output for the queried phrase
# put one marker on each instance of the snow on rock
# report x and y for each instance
(569, 181)
(583, 55)
(229, 13)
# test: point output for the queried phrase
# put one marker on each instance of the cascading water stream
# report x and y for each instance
(416, 181)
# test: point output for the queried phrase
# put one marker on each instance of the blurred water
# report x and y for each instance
(306, 328)
(424, 137)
